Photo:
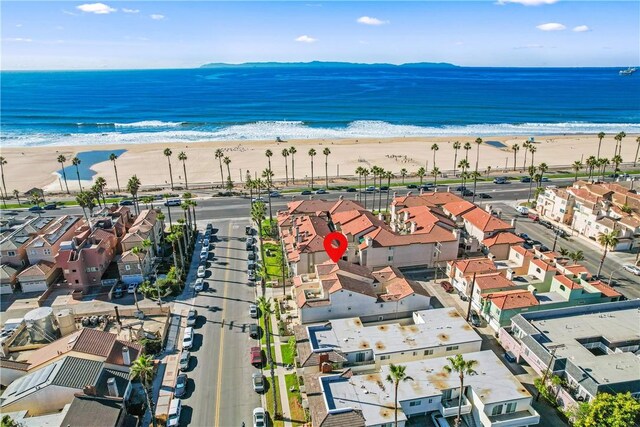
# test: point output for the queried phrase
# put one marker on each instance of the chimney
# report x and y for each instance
(380, 216)
(126, 359)
(326, 368)
(89, 390)
(513, 222)
(414, 225)
(118, 316)
(323, 358)
(112, 387)
(421, 191)
(488, 208)
(509, 274)
(341, 197)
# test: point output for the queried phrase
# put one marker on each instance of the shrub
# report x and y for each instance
(151, 346)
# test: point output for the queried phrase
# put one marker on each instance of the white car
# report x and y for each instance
(523, 210)
(205, 243)
(259, 417)
(632, 269)
(204, 254)
(175, 408)
(253, 311)
(199, 286)
(201, 271)
(187, 339)
(252, 276)
(257, 380)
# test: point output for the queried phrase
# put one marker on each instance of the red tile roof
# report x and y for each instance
(518, 298)
(458, 208)
(492, 281)
(522, 251)
(605, 289)
(564, 280)
(543, 265)
(426, 199)
(502, 238)
(486, 222)
(475, 265)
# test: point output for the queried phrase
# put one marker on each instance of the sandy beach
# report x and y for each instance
(29, 167)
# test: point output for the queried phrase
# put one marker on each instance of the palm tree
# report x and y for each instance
(635, 159)
(397, 374)
(616, 160)
(178, 230)
(359, 172)
(138, 251)
(183, 158)
(285, 154)
(478, 142)
(132, 187)
(389, 175)
(143, 368)
(435, 172)
(577, 165)
(618, 138)
(166, 198)
(85, 200)
(113, 157)
(326, 153)
(607, 240)
(101, 185)
(16, 194)
(435, 149)
(515, 148)
(365, 173)
(220, 155)
(602, 163)
(532, 172)
(421, 173)
(456, 147)
(487, 171)
(601, 136)
(462, 367)
(576, 256)
(258, 211)
(564, 252)
(312, 153)
(532, 150)
(95, 192)
(543, 167)
(61, 160)
(592, 162)
(172, 238)
(403, 173)
(269, 153)
(266, 309)
(466, 147)
(267, 174)
(293, 151)
(227, 161)
(168, 153)
(76, 162)
(3, 162)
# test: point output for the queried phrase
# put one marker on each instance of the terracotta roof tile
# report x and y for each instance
(475, 265)
(543, 265)
(492, 281)
(484, 221)
(605, 289)
(503, 238)
(458, 208)
(508, 300)
(564, 280)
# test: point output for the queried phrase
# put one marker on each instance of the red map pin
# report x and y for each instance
(335, 244)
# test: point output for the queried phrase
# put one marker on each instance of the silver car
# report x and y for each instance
(258, 382)
(185, 357)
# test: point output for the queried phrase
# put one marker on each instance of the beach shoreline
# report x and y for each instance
(29, 167)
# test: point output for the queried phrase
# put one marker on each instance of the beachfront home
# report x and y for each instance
(343, 289)
(482, 225)
(362, 347)
(45, 246)
(492, 397)
(133, 268)
(38, 277)
(146, 226)
(592, 348)
(13, 246)
(8, 279)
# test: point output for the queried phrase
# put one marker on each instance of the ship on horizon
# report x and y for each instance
(628, 71)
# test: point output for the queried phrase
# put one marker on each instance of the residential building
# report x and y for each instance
(8, 279)
(427, 334)
(304, 243)
(13, 244)
(499, 245)
(429, 199)
(343, 289)
(492, 397)
(133, 268)
(45, 246)
(593, 348)
(458, 271)
(38, 277)
(481, 224)
(146, 226)
(105, 411)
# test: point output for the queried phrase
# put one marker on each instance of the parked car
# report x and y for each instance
(173, 202)
(384, 189)
(259, 417)
(35, 208)
(175, 409)
(461, 188)
(254, 331)
(525, 236)
(523, 210)
(201, 271)
(425, 186)
(275, 194)
(205, 242)
(484, 196)
(185, 357)
(306, 192)
(534, 216)
(252, 276)
(560, 232)
(321, 191)
(126, 202)
(467, 193)
(447, 286)
(463, 297)
(525, 179)
(257, 379)
(371, 189)
(510, 357)
(412, 186)
(351, 190)
(475, 319)
(251, 266)
(181, 385)
(250, 240)
(256, 356)
(544, 223)
(187, 339)
(253, 311)
(192, 317)
(248, 230)
(199, 285)
(50, 206)
(251, 256)
(632, 269)
(500, 180)
(204, 254)
(257, 199)
(544, 179)
(209, 227)
(117, 292)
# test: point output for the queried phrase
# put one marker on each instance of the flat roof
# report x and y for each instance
(431, 328)
(615, 323)
(374, 396)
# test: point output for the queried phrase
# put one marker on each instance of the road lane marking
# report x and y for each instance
(221, 346)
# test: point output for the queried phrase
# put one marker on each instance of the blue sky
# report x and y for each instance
(123, 34)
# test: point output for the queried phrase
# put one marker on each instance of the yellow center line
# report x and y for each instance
(221, 346)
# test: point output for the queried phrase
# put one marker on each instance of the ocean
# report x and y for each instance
(189, 105)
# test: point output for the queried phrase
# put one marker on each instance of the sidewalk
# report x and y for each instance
(280, 372)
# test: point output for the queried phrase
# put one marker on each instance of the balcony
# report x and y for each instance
(520, 418)
(449, 407)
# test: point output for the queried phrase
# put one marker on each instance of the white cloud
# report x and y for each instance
(18, 25)
(581, 29)
(17, 40)
(367, 20)
(530, 46)
(551, 26)
(156, 16)
(527, 2)
(306, 39)
(97, 8)
(130, 10)
(66, 12)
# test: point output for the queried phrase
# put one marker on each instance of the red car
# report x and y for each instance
(448, 287)
(256, 356)
(534, 216)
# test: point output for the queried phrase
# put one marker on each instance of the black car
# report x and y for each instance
(461, 188)
(412, 186)
(254, 331)
(545, 224)
(484, 196)
(351, 190)
(475, 319)
(35, 208)
(306, 193)
(384, 189)
(50, 206)
(181, 385)
(251, 256)
(525, 179)
(467, 193)
(126, 203)
(424, 186)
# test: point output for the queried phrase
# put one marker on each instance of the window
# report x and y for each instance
(390, 258)
(497, 410)
(11, 253)
(452, 347)
(387, 357)
(415, 403)
(538, 270)
(415, 353)
(33, 252)
(127, 267)
(47, 251)
(360, 357)
(381, 305)
(511, 407)
(562, 288)
(348, 308)
(428, 352)
(350, 294)
(430, 400)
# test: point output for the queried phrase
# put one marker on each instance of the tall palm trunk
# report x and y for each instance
(326, 172)
(365, 191)
(604, 255)
(388, 191)
(459, 417)
(455, 161)
(64, 176)
(397, 383)
(221, 173)
(228, 172)
(286, 172)
(311, 173)
(524, 164)
(175, 255)
(78, 174)
(186, 181)
(170, 172)
(293, 169)
(360, 186)
(115, 169)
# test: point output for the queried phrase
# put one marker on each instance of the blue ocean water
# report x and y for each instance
(87, 160)
(139, 106)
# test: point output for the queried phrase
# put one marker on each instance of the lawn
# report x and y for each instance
(287, 354)
(272, 262)
(269, 398)
(263, 340)
(297, 412)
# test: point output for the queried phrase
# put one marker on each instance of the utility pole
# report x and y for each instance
(546, 372)
(473, 285)
(555, 241)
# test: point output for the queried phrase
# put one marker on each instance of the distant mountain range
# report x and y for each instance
(322, 64)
